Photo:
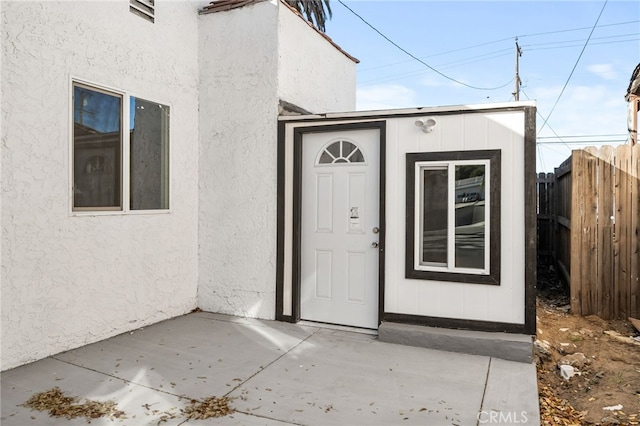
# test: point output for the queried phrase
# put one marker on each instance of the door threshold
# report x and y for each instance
(338, 327)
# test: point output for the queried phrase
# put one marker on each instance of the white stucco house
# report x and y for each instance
(161, 156)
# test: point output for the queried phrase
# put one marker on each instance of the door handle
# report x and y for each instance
(375, 244)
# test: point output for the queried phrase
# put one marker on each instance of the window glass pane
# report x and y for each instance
(325, 158)
(149, 142)
(97, 137)
(470, 210)
(356, 156)
(334, 149)
(434, 216)
(347, 148)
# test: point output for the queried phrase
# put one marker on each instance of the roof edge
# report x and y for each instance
(409, 112)
(224, 5)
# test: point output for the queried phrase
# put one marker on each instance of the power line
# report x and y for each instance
(636, 34)
(398, 76)
(484, 57)
(580, 29)
(613, 135)
(503, 39)
(574, 66)
(578, 45)
(594, 141)
(544, 121)
(540, 156)
(418, 59)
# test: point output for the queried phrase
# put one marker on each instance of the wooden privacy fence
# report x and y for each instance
(589, 222)
(554, 218)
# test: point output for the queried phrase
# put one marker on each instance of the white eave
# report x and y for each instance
(412, 111)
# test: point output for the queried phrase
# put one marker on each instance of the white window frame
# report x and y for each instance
(125, 146)
(450, 166)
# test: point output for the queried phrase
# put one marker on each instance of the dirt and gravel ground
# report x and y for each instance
(606, 388)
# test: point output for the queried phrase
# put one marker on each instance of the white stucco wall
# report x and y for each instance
(238, 112)
(250, 59)
(67, 279)
(311, 71)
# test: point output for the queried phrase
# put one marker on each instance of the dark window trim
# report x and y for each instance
(457, 323)
(494, 157)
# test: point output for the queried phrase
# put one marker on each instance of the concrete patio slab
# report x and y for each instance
(345, 378)
(505, 393)
(198, 355)
(277, 373)
(19, 384)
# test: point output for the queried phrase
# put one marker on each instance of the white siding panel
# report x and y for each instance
(476, 131)
(455, 130)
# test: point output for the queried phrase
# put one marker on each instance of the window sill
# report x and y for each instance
(97, 213)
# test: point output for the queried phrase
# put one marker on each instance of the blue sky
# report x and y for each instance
(474, 43)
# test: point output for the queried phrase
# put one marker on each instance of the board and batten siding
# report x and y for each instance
(478, 302)
(504, 127)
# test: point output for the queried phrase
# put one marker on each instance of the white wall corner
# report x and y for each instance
(313, 72)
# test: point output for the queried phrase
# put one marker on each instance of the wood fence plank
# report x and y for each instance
(591, 290)
(622, 228)
(553, 225)
(605, 231)
(598, 256)
(543, 223)
(634, 271)
(563, 200)
(577, 170)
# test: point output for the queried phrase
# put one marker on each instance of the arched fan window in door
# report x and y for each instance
(341, 152)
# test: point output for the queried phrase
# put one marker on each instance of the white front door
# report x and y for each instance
(340, 225)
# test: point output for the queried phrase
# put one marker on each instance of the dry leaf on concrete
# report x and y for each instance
(210, 407)
(58, 405)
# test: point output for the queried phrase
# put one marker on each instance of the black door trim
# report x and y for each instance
(298, 134)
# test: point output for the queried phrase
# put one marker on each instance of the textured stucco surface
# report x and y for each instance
(243, 75)
(312, 73)
(68, 280)
(238, 111)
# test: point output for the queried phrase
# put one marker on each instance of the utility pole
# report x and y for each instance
(516, 93)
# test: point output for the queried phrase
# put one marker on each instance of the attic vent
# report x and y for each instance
(143, 8)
